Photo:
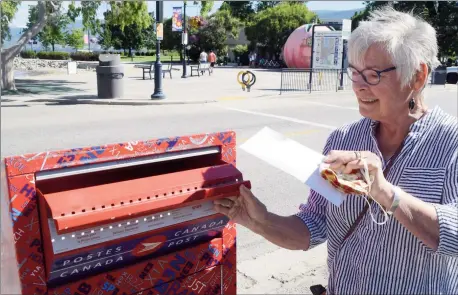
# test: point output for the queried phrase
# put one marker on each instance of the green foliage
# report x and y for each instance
(242, 10)
(54, 55)
(206, 7)
(263, 5)
(53, 32)
(8, 9)
(74, 39)
(214, 34)
(84, 56)
(128, 13)
(28, 54)
(271, 27)
(172, 40)
(442, 15)
(128, 25)
(240, 50)
(88, 10)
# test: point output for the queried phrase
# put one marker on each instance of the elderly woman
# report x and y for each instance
(411, 152)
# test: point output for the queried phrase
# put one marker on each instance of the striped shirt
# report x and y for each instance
(388, 259)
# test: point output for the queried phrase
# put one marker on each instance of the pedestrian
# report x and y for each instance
(212, 59)
(203, 58)
(410, 152)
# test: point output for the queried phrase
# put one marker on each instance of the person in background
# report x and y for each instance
(212, 59)
(411, 154)
(203, 58)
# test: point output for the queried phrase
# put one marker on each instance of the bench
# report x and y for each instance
(201, 68)
(149, 69)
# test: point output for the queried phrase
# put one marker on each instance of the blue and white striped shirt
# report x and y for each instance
(388, 259)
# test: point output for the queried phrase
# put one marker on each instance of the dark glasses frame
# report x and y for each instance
(361, 73)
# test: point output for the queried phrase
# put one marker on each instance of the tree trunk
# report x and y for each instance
(52, 47)
(8, 54)
(7, 73)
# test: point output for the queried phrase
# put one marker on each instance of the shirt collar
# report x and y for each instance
(419, 126)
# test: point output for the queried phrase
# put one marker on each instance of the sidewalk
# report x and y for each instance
(81, 88)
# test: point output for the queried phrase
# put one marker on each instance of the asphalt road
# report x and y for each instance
(308, 119)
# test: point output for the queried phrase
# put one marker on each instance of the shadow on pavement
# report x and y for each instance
(14, 106)
(32, 86)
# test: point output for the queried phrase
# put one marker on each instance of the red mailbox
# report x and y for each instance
(121, 219)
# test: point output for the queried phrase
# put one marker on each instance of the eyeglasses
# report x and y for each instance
(370, 76)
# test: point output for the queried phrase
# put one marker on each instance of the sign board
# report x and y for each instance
(327, 50)
(159, 31)
(346, 28)
(184, 38)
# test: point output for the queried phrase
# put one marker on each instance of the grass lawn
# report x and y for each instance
(141, 59)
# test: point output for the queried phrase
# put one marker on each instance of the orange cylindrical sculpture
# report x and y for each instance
(297, 50)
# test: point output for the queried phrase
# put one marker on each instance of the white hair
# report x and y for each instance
(408, 40)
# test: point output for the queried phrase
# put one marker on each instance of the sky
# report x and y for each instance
(21, 16)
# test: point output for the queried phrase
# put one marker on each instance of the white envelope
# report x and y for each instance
(293, 158)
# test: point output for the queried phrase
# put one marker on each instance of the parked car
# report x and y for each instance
(452, 75)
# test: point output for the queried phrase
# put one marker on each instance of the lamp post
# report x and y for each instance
(184, 40)
(158, 94)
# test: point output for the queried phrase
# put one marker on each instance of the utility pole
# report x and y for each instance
(158, 94)
(184, 40)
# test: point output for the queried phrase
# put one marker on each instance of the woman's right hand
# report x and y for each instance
(244, 209)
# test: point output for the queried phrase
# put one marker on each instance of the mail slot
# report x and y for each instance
(131, 218)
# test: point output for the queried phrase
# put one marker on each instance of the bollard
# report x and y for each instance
(130, 218)
(248, 82)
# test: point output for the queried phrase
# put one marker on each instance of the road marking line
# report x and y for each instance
(284, 118)
(332, 105)
(288, 134)
(231, 98)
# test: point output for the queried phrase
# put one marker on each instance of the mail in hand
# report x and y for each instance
(293, 158)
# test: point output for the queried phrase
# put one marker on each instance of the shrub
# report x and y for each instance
(53, 55)
(28, 54)
(85, 56)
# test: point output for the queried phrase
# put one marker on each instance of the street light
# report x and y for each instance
(158, 94)
(184, 41)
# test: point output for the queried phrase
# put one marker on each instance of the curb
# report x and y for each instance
(103, 102)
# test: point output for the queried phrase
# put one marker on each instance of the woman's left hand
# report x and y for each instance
(346, 161)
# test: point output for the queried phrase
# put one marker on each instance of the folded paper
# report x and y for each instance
(294, 159)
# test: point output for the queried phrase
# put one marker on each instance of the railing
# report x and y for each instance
(294, 80)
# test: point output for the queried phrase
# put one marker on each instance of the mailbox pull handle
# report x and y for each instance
(88, 219)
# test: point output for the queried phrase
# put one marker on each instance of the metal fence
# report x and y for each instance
(295, 80)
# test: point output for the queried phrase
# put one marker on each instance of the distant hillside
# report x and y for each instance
(336, 14)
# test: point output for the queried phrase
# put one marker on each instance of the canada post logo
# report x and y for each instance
(149, 246)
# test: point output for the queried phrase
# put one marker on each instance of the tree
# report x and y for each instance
(206, 7)
(442, 15)
(53, 32)
(127, 32)
(242, 10)
(74, 39)
(172, 40)
(47, 11)
(126, 13)
(263, 5)
(8, 54)
(88, 10)
(8, 9)
(271, 27)
(213, 35)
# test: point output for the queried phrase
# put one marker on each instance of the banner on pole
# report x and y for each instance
(159, 31)
(177, 19)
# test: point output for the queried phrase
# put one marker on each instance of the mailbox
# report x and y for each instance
(121, 219)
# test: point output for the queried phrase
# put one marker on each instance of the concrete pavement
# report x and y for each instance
(308, 119)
